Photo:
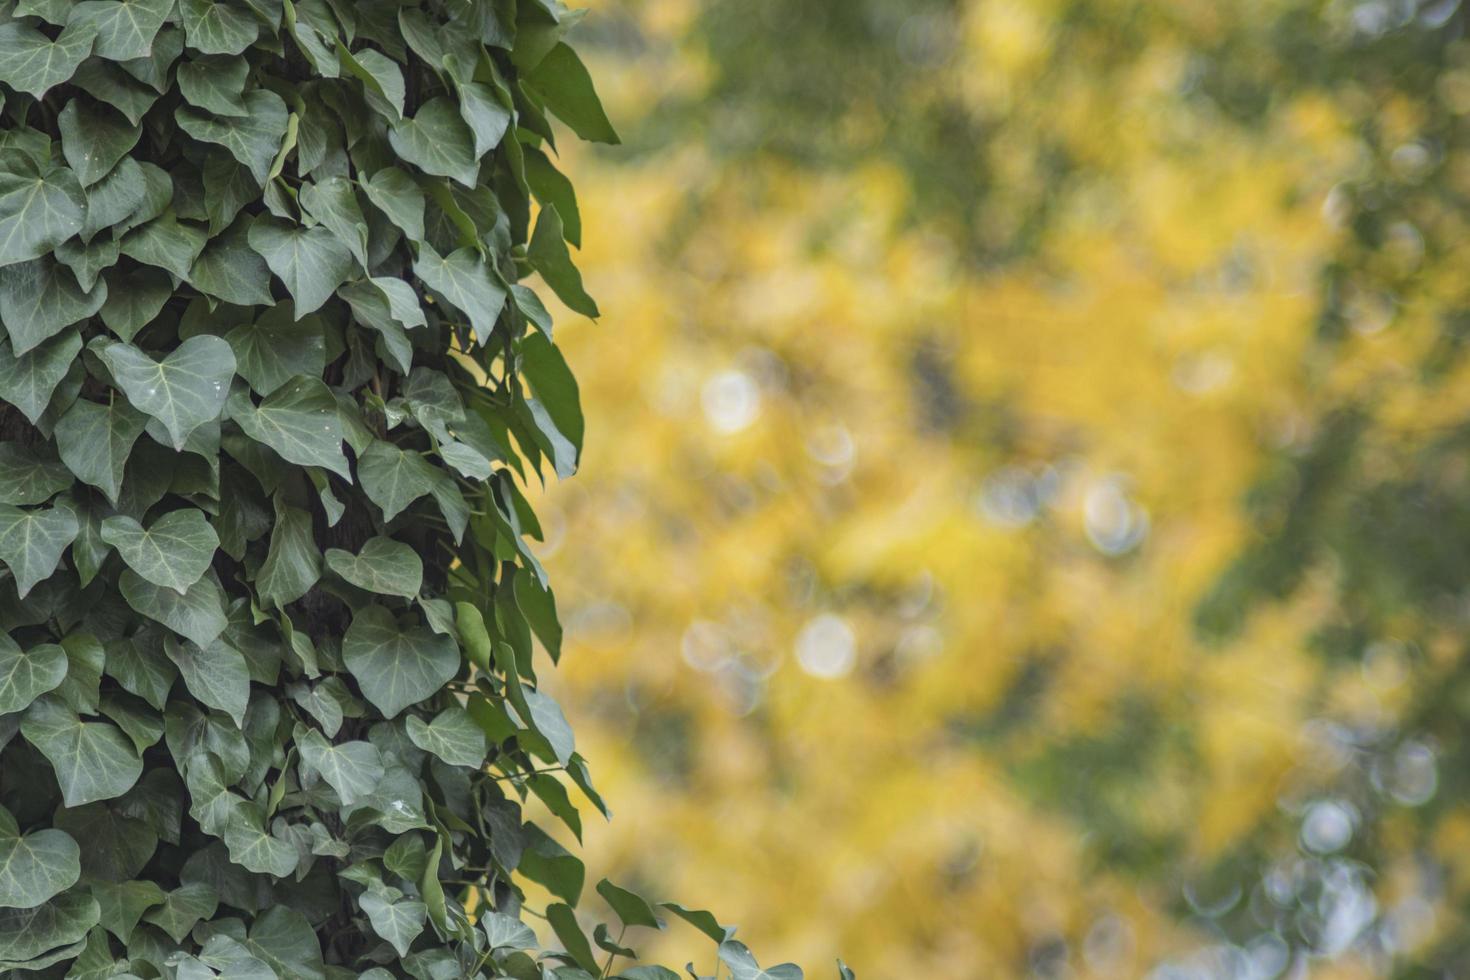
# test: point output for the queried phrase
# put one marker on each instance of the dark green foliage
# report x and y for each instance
(268, 693)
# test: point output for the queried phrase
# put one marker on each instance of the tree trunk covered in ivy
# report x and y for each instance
(272, 620)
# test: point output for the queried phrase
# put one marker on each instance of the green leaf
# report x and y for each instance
(198, 614)
(351, 768)
(396, 667)
(28, 934)
(230, 270)
(252, 139)
(312, 262)
(744, 967)
(26, 675)
(216, 674)
(464, 281)
(35, 867)
(88, 260)
(31, 541)
(33, 63)
(397, 195)
(174, 551)
(183, 908)
(285, 940)
(486, 116)
(333, 203)
(507, 932)
(389, 306)
(548, 255)
(108, 82)
(125, 28)
(274, 349)
(30, 476)
(704, 921)
(452, 736)
(217, 28)
(185, 390)
(253, 847)
(215, 84)
(40, 206)
(564, 922)
(28, 381)
(383, 566)
(40, 299)
(94, 442)
(115, 197)
(299, 421)
(393, 478)
(631, 908)
(167, 243)
(92, 760)
(134, 299)
(437, 141)
(293, 564)
(556, 406)
(138, 664)
(94, 137)
(562, 82)
(399, 922)
(551, 187)
(380, 76)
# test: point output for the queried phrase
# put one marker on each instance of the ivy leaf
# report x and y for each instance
(28, 934)
(167, 243)
(40, 206)
(94, 442)
(389, 306)
(563, 83)
(351, 768)
(383, 566)
(33, 63)
(175, 551)
(381, 78)
(486, 116)
(564, 922)
(465, 282)
(40, 299)
(393, 478)
(26, 675)
(548, 255)
(92, 760)
(125, 28)
(114, 198)
(198, 614)
(395, 193)
(134, 299)
(507, 932)
(94, 138)
(274, 349)
(35, 867)
(183, 908)
(29, 476)
(399, 922)
(185, 390)
(216, 674)
(28, 381)
(253, 847)
(217, 28)
(333, 203)
(452, 736)
(437, 141)
(299, 421)
(88, 260)
(31, 541)
(215, 84)
(252, 139)
(284, 939)
(556, 406)
(396, 667)
(310, 261)
(230, 270)
(743, 965)
(631, 908)
(293, 564)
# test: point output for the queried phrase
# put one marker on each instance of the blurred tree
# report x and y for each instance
(1046, 495)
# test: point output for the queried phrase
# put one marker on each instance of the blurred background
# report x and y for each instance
(1025, 523)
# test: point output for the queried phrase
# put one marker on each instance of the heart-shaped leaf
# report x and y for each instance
(92, 760)
(183, 391)
(174, 551)
(383, 566)
(31, 541)
(35, 867)
(396, 667)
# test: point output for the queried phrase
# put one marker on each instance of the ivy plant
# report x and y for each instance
(273, 388)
